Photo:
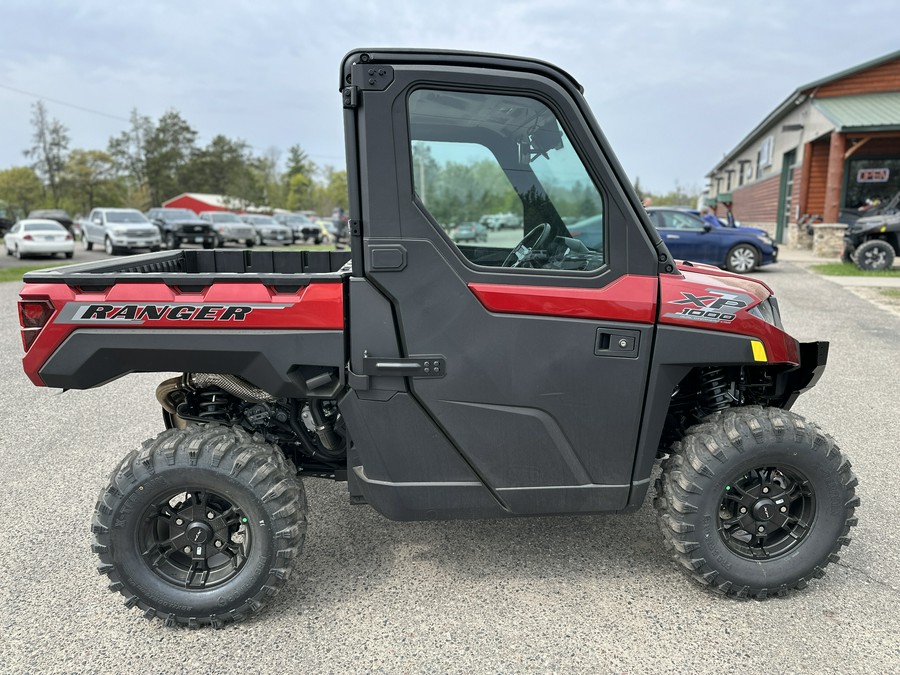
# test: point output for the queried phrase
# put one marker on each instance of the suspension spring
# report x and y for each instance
(212, 404)
(715, 391)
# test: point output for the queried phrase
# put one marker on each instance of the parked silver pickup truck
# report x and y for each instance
(229, 227)
(118, 230)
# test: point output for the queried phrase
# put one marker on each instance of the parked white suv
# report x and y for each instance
(120, 230)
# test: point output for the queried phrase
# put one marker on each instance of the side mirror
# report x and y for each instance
(97, 221)
(707, 227)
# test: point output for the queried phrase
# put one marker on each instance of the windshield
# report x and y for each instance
(262, 220)
(125, 217)
(178, 213)
(225, 218)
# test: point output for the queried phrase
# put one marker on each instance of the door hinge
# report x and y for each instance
(414, 366)
(351, 96)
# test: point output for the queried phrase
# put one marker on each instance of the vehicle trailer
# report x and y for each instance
(442, 380)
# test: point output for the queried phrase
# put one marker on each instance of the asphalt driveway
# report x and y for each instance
(369, 595)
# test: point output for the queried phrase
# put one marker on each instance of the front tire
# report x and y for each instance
(172, 241)
(108, 247)
(874, 254)
(88, 245)
(742, 259)
(755, 502)
(200, 526)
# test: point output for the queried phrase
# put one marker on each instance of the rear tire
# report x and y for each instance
(200, 526)
(749, 468)
(874, 254)
(69, 254)
(18, 253)
(249, 243)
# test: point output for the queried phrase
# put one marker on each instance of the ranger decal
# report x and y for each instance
(141, 313)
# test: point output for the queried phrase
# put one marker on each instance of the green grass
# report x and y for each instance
(15, 273)
(850, 270)
(891, 292)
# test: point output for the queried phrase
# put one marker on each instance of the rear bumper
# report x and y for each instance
(47, 246)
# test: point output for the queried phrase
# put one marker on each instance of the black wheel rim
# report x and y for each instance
(875, 257)
(766, 512)
(195, 540)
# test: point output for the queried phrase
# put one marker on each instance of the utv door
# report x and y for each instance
(518, 364)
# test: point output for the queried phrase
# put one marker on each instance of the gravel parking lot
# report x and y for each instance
(546, 594)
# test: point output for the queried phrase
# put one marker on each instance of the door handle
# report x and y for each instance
(414, 366)
(623, 343)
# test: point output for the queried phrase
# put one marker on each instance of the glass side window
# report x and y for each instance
(499, 175)
(673, 220)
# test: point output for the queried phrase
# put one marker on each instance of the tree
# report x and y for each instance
(128, 151)
(89, 177)
(299, 180)
(167, 149)
(637, 188)
(219, 168)
(298, 162)
(332, 192)
(21, 189)
(50, 144)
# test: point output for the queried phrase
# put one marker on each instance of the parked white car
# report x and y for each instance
(118, 230)
(39, 236)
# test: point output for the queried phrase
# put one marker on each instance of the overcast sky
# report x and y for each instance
(675, 84)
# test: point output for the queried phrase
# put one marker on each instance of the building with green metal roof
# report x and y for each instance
(831, 149)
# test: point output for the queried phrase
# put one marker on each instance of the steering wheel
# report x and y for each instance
(540, 236)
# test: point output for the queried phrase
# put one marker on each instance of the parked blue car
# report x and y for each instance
(689, 237)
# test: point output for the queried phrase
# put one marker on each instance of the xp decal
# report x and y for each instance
(141, 313)
(716, 306)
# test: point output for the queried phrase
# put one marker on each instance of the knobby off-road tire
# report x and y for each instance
(791, 480)
(200, 526)
(874, 254)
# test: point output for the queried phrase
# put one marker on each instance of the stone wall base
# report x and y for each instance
(799, 236)
(828, 240)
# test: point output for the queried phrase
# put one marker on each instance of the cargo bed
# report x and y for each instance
(197, 268)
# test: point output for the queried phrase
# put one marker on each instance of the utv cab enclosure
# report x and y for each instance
(537, 372)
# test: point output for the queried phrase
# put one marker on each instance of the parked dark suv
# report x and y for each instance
(60, 216)
(873, 241)
(178, 226)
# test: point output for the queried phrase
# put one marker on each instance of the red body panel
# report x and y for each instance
(630, 298)
(237, 306)
(700, 298)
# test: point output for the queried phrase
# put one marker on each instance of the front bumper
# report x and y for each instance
(136, 242)
(791, 383)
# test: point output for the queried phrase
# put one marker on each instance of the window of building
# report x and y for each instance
(764, 155)
(870, 182)
(501, 178)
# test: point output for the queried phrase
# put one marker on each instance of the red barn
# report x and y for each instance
(198, 201)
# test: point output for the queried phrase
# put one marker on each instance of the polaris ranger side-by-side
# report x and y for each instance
(542, 371)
